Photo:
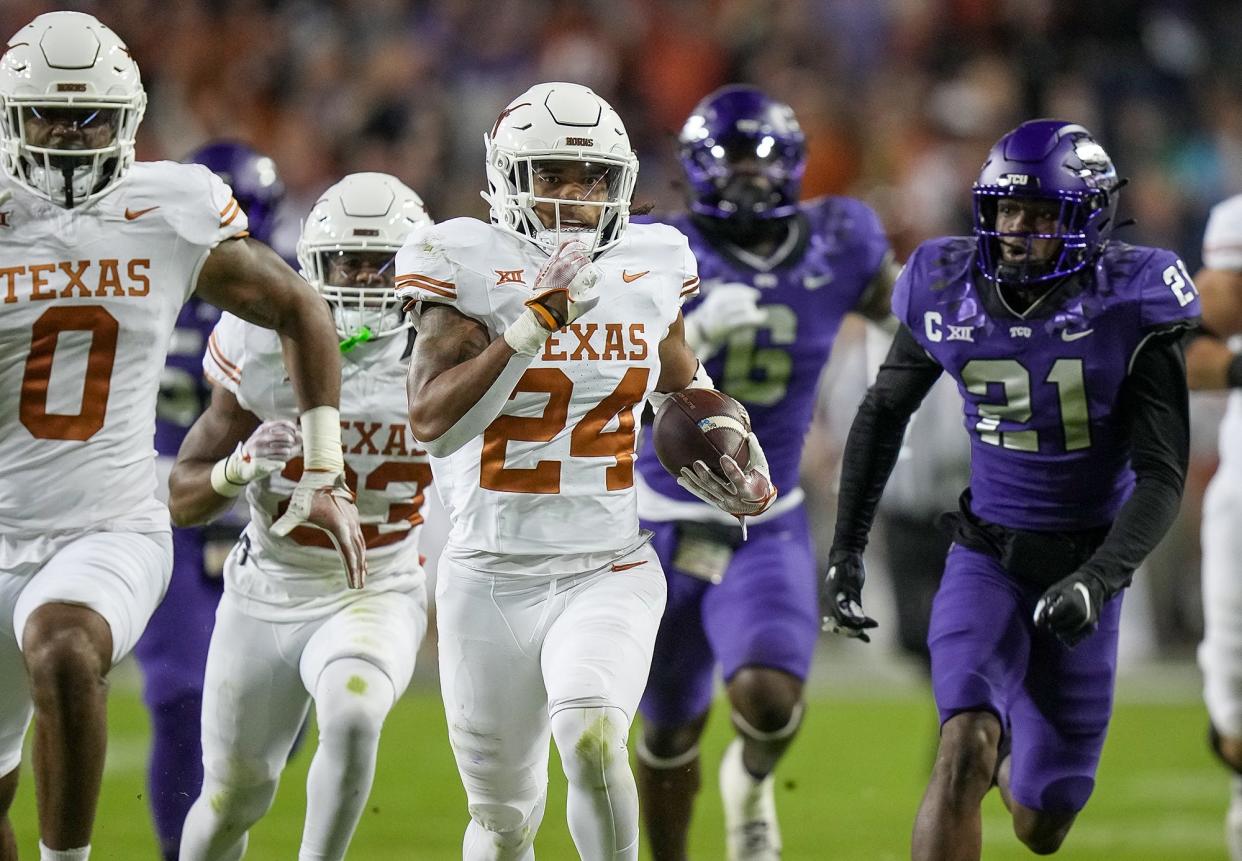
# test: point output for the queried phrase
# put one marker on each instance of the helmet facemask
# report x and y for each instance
(358, 284)
(601, 187)
(1054, 245)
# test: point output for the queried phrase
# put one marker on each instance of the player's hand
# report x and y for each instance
(322, 500)
(1070, 608)
(742, 494)
(567, 285)
(266, 450)
(725, 309)
(840, 599)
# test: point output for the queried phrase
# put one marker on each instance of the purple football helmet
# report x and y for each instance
(1054, 162)
(743, 153)
(253, 178)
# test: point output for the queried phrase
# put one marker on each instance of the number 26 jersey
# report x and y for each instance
(554, 472)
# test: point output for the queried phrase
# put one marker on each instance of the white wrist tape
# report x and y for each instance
(220, 481)
(700, 380)
(321, 439)
(527, 335)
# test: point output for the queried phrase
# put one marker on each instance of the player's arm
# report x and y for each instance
(876, 300)
(724, 485)
(1156, 402)
(1210, 364)
(221, 453)
(871, 450)
(250, 280)
(460, 379)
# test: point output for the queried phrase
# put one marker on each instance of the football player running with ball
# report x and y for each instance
(97, 256)
(778, 277)
(293, 625)
(1065, 346)
(541, 336)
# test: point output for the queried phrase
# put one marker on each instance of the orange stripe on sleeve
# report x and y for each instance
(230, 370)
(232, 202)
(427, 279)
(234, 208)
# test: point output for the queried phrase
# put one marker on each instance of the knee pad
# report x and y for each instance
(592, 743)
(779, 734)
(352, 699)
(502, 827)
(239, 804)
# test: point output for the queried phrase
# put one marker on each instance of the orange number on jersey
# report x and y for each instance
(545, 476)
(588, 438)
(43, 339)
(379, 478)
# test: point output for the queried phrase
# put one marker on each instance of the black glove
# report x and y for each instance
(840, 599)
(1070, 608)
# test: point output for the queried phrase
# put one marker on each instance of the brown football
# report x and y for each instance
(700, 424)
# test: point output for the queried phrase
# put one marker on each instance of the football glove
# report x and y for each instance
(742, 494)
(268, 448)
(725, 309)
(840, 599)
(1070, 608)
(323, 500)
(566, 286)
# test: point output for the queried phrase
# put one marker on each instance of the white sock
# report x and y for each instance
(352, 698)
(603, 798)
(46, 854)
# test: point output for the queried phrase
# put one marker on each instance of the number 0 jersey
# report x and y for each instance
(1041, 393)
(301, 573)
(88, 300)
(554, 473)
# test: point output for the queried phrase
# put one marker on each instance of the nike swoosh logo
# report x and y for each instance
(1066, 336)
(131, 214)
(627, 277)
(628, 565)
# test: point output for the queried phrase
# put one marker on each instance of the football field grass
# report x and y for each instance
(848, 790)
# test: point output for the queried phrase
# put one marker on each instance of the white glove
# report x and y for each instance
(267, 450)
(725, 309)
(742, 494)
(565, 289)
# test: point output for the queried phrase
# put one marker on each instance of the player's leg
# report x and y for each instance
(172, 654)
(596, 658)
(980, 642)
(762, 625)
(15, 706)
(75, 619)
(1220, 653)
(1059, 718)
(253, 705)
(490, 633)
(356, 666)
(674, 707)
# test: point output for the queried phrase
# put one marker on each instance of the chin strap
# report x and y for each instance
(360, 337)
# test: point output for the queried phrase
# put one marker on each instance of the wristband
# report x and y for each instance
(220, 479)
(527, 335)
(1234, 373)
(700, 380)
(321, 439)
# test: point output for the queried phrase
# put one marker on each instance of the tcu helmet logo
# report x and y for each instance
(509, 276)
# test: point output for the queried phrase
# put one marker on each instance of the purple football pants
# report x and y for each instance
(986, 654)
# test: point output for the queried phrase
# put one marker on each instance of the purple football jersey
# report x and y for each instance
(806, 288)
(1050, 449)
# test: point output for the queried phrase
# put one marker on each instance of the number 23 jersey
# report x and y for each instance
(1042, 393)
(88, 300)
(554, 472)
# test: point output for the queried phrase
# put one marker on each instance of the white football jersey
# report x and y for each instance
(384, 466)
(554, 473)
(1222, 249)
(89, 300)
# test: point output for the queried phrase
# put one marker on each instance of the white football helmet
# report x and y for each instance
(347, 251)
(67, 68)
(557, 122)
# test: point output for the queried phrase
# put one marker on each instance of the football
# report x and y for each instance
(700, 424)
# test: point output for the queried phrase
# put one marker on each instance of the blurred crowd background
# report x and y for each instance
(900, 99)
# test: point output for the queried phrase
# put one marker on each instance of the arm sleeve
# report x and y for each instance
(1156, 400)
(875, 438)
